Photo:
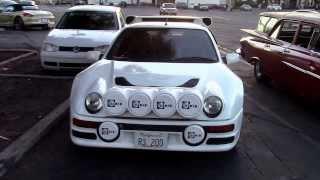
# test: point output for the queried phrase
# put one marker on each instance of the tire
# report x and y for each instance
(258, 72)
(18, 24)
(45, 27)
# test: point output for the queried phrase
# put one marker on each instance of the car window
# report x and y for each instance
(89, 20)
(9, 9)
(287, 31)
(262, 23)
(304, 35)
(270, 25)
(315, 43)
(163, 45)
(122, 19)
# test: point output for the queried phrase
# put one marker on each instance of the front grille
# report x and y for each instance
(218, 141)
(84, 135)
(50, 63)
(75, 65)
(76, 49)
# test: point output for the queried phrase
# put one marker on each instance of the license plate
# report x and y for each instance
(44, 20)
(151, 140)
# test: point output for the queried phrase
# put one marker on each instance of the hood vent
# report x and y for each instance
(122, 81)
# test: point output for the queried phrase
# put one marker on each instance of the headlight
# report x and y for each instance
(93, 102)
(50, 47)
(102, 49)
(212, 106)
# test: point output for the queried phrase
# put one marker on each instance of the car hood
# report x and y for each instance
(213, 79)
(84, 38)
(153, 74)
(39, 12)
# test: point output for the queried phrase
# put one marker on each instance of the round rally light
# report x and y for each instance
(212, 106)
(108, 131)
(115, 102)
(93, 102)
(139, 104)
(164, 104)
(194, 135)
(189, 105)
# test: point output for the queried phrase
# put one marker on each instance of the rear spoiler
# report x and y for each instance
(204, 21)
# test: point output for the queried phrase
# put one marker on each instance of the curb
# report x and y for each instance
(17, 57)
(17, 50)
(35, 76)
(17, 149)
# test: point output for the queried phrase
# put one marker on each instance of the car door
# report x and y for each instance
(300, 62)
(313, 73)
(279, 40)
(7, 16)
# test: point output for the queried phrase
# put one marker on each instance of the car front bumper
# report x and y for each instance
(60, 60)
(86, 134)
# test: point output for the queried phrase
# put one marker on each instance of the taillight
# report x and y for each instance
(220, 129)
(27, 14)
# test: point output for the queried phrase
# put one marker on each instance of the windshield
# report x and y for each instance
(163, 45)
(88, 20)
(169, 5)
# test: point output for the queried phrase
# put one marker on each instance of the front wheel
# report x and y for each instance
(258, 72)
(18, 24)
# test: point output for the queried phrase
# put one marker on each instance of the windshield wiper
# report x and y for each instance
(194, 59)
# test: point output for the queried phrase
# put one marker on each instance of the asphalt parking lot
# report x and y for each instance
(280, 138)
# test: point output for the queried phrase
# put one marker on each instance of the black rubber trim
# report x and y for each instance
(122, 81)
(143, 127)
(218, 141)
(84, 135)
(50, 63)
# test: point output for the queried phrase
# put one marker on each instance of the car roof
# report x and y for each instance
(308, 16)
(181, 25)
(94, 8)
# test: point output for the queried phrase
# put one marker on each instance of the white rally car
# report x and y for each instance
(161, 86)
(82, 36)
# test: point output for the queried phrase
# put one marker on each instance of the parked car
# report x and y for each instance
(274, 7)
(81, 37)
(161, 86)
(168, 9)
(203, 7)
(286, 50)
(20, 16)
(245, 7)
(182, 5)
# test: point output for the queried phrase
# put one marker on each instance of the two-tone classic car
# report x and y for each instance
(285, 48)
(20, 16)
(163, 86)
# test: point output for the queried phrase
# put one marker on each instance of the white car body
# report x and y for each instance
(274, 7)
(180, 132)
(77, 48)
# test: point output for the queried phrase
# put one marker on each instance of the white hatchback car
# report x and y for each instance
(161, 86)
(82, 36)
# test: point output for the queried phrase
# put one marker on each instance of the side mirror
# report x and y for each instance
(93, 55)
(232, 58)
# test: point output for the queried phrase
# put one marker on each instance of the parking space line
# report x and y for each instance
(15, 151)
(25, 55)
(35, 76)
(282, 121)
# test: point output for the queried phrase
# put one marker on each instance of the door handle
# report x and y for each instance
(267, 45)
(286, 51)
